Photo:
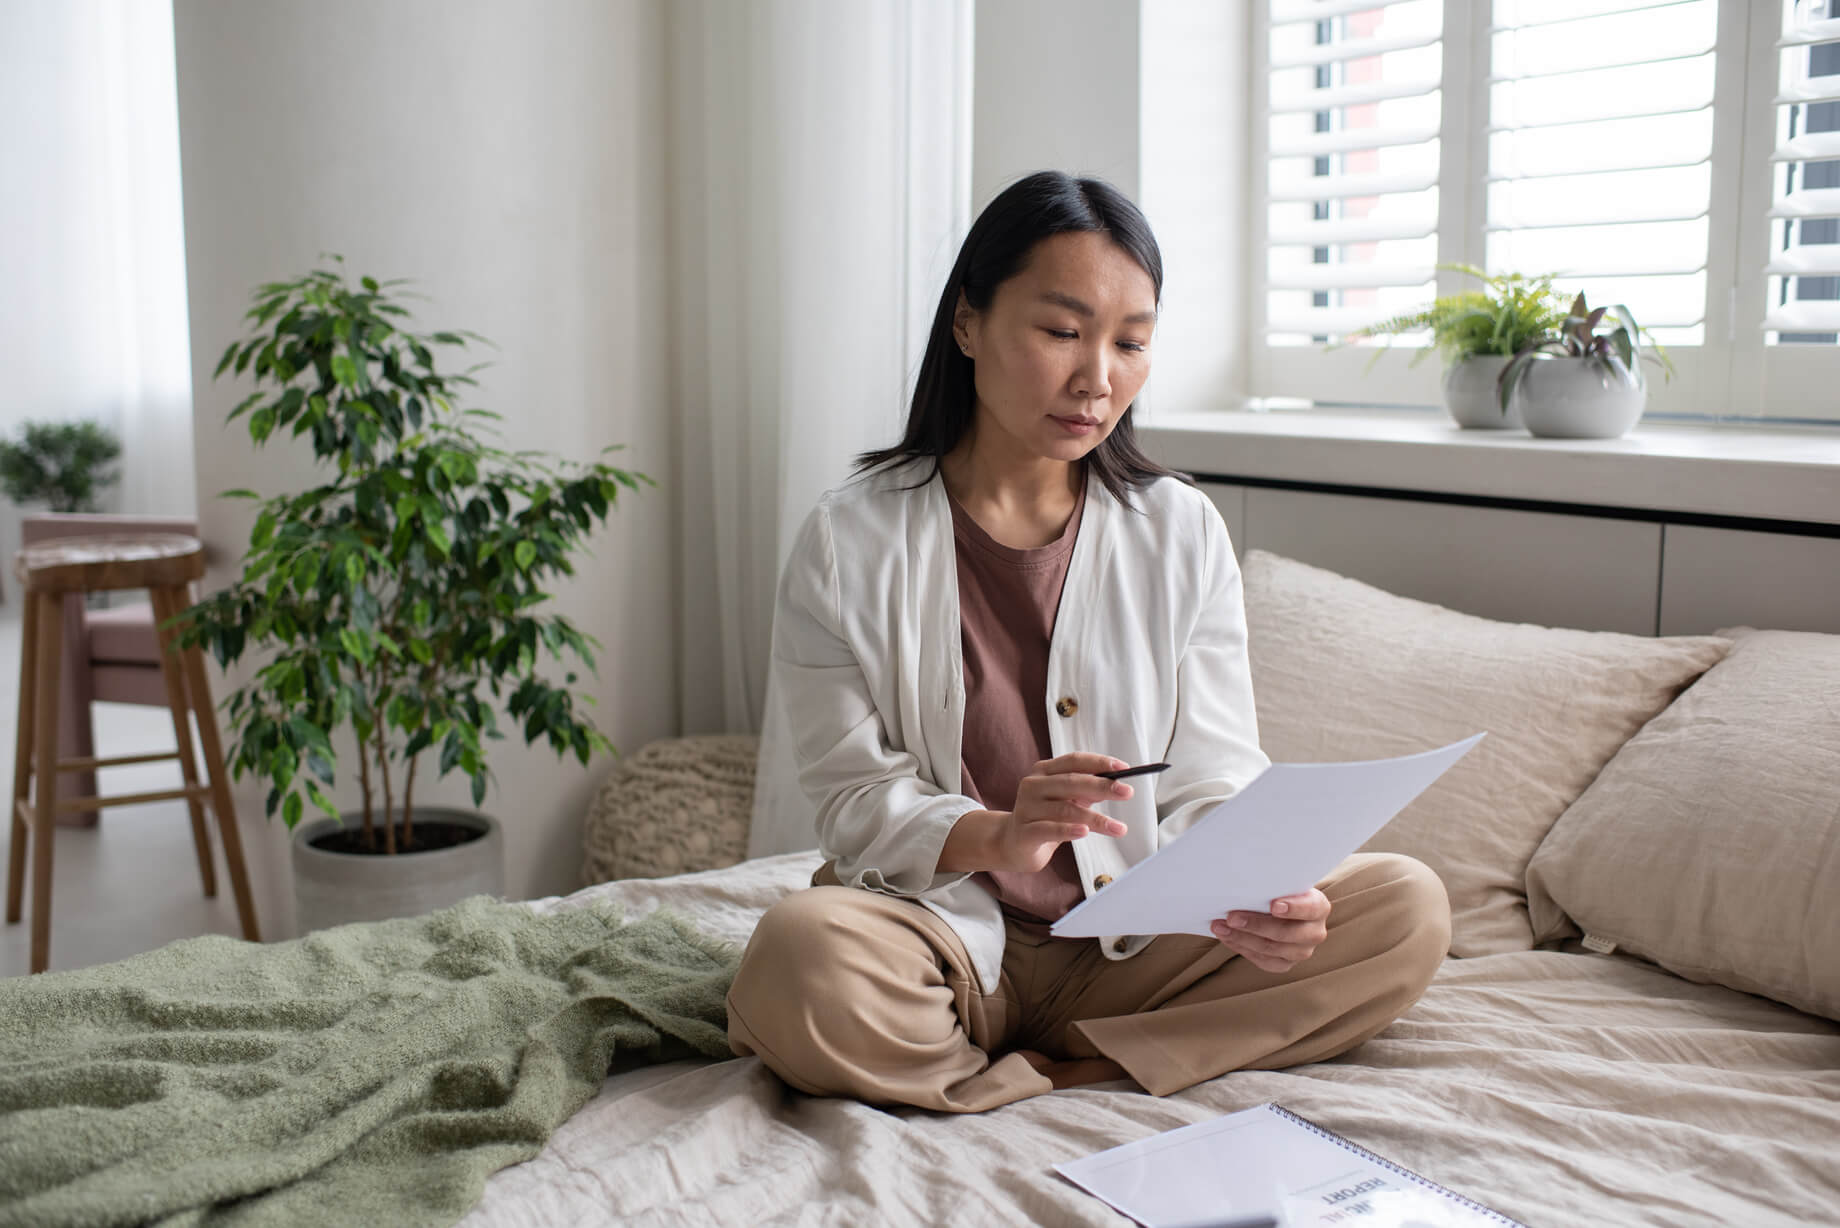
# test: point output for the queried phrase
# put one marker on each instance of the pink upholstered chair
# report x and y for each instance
(108, 655)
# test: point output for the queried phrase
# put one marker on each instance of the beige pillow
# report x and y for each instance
(1345, 671)
(1711, 843)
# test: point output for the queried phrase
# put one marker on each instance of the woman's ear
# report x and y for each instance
(962, 316)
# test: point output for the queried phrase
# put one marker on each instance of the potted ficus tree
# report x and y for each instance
(401, 600)
(1581, 384)
(1476, 333)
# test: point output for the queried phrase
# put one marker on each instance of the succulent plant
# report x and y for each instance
(1617, 352)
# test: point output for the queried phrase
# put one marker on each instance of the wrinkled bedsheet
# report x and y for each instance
(1560, 1089)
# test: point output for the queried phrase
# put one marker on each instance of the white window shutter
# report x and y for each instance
(1347, 162)
(1600, 153)
(1802, 293)
(1786, 283)
(1681, 157)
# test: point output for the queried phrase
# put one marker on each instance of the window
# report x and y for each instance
(1681, 157)
(1802, 296)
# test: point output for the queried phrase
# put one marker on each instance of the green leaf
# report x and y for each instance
(243, 405)
(322, 801)
(306, 573)
(344, 370)
(525, 553)
(264, 531)
(437, 537)
(306, 733)
(291, 815)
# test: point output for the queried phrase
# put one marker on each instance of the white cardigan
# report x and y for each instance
(1147, 663)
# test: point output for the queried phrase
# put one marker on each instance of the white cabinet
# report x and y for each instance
(1231, 500)
(1561, 570)
(1733, 577)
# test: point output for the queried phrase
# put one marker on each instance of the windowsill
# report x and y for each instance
(1767, 473)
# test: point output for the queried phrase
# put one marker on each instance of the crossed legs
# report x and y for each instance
(846, 992)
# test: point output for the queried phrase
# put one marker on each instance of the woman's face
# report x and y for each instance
(1064, 346)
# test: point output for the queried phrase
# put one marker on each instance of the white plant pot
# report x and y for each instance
(1578, 398)
(1471, 396)
(335, 888)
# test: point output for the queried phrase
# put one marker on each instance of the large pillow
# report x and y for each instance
(1342, 671)
(1711, 843)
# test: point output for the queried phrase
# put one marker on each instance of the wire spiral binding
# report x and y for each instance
(1391, 1167)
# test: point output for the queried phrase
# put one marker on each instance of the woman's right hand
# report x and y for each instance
(1053, 805)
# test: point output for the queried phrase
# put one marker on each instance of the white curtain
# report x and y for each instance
(93, 318)
(821, 176)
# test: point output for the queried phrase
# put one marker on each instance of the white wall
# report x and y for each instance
(1196, 99)
(1055, 87)
(510, 160)
(1128, 90)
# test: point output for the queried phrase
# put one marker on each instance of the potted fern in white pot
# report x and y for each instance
(1477, 333)
(1581, 384)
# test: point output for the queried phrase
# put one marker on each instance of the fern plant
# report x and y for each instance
(1510, 311)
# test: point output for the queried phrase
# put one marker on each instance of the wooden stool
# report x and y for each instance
(163, 564)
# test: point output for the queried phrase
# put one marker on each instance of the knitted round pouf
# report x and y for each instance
(670, 807)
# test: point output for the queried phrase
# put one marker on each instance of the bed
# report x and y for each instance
(1637, 1025)
(1557, 1088)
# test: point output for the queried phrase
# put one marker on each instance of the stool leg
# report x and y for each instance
(198, 688)
(22, 760)
(166, 606)
(44, 812)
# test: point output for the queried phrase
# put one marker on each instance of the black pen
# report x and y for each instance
(1142, 769)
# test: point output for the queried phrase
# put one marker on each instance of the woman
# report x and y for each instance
(1004, 604)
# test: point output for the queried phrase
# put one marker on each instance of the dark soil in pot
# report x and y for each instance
(429, 836)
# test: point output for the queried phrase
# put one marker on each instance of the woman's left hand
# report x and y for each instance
(1279, 940)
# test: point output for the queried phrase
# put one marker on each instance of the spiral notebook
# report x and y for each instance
(1266, 1167)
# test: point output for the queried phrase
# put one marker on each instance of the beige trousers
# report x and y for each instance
(844, 992)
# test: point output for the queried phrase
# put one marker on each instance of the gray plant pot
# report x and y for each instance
(1471, 396)
(336, 888)
(1575, 398)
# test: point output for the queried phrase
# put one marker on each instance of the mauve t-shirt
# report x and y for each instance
(1007, 602)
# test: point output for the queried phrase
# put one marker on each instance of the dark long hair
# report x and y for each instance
(998, 247)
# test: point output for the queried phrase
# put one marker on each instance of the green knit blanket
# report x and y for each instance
(370, 1074)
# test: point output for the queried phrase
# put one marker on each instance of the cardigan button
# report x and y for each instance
(1101, 881)
(1066, 705)
(1120, 945)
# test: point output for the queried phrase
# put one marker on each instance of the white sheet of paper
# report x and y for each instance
(1258, 1166)
(1277, 836)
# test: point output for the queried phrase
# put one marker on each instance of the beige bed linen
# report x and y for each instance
(1560, 1089)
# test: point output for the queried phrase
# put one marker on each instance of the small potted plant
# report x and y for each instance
(1581, 384)
(64, 464)
(1476, 332)
(400, 600)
